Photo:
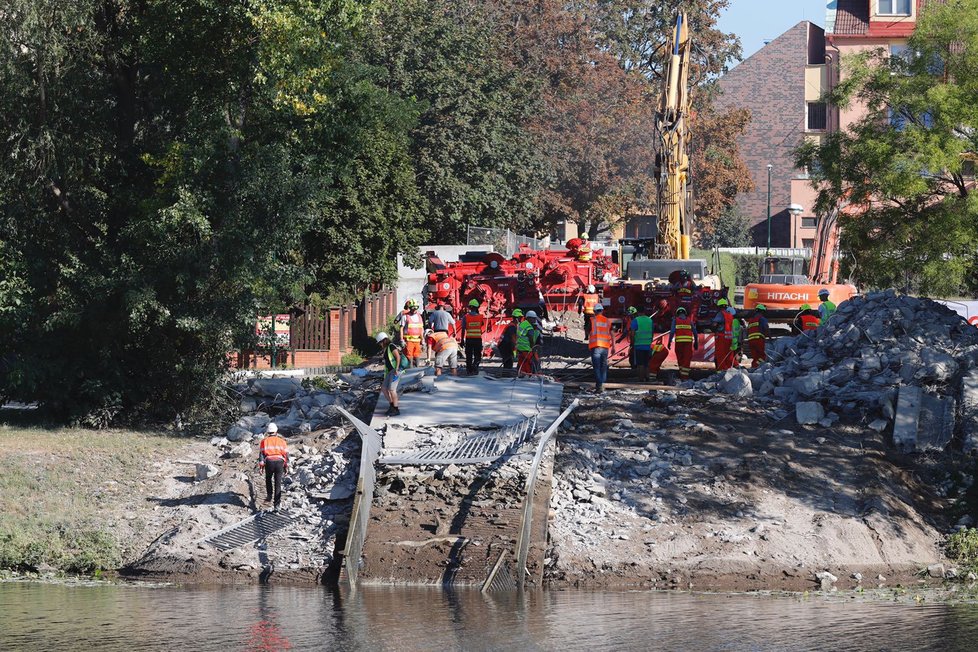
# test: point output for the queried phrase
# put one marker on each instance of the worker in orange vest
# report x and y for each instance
(412, 333)
(273, 459)
(757, 332)
(808, 320)
(445, 348)
(473, 325)
(585, 306)
(599, 342)
(684, 337)
(723, 326)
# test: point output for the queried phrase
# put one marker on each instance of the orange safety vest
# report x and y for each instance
(590, 300)
(443, 342)
(600, 333)
(474, 325)
(584, 253)
(728, 320)
(273, 447)
(413, 327)
(754, 328)
(684, 330)
(685, 290)
(810, 322)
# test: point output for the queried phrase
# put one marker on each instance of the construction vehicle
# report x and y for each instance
(784, 287)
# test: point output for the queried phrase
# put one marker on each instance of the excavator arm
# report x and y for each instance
(674, 208)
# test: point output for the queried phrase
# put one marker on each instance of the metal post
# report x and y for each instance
(769, 166)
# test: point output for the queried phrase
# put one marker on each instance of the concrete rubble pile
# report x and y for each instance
(889, 359)
(294, 408)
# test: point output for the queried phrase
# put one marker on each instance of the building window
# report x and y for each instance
(893, 7)
(808, 222)
(808, 243)
(818, 116)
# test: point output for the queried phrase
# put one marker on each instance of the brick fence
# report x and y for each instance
(320, 337)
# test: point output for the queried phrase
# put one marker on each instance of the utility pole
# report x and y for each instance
(769, 166)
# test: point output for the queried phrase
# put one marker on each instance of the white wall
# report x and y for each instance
(411, 282)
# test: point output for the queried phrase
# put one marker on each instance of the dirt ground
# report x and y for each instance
(688, 491)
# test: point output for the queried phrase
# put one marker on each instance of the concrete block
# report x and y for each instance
(936, 424)
(808, 412)
(907, 418)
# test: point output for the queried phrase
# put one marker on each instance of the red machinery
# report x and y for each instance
(663, 301)
(540, 280)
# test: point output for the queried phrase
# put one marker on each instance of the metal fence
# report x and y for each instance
(371, 444)
(783, 252)
(503, 241)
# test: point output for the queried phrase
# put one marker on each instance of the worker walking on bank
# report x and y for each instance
(808, 320)
(826, 309)
(393, 363)
(641, 333)
(527, 339)
(473, 324)
(507, 342)
(684, 338)
(757, 333)
(445, 348)
(723, 327)
(599, 342)
(412, 332)
(273, 460)
(585, 306)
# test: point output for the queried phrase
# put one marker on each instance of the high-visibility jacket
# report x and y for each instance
(584, 253)
(826, 309)
(685, 290)
(737, 334)
(443, 342)
(526, 336)
(474, 325)
(590, 300)
(809, 322)
(600, 333)
(643, 330)
(390, 359)
(684, 330)
(728, 325)
(754, 329)
(413, 327)
(273, 448)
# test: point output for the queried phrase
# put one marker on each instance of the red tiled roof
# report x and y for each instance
(852, 17)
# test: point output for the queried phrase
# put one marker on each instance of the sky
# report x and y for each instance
(756, 21)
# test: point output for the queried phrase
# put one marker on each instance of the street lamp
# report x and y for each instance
(795, 210)
(769, 166)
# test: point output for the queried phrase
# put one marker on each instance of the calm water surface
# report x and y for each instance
(38, 616)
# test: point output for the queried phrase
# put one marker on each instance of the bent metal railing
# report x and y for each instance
(526, 521)
(371, 443)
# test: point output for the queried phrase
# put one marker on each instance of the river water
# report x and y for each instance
(38, 616)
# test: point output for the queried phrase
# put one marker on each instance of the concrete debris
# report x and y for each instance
(205, 472)
(826, 580)
(871, 359)
(241, 450)
(808, 412)
(736, 382)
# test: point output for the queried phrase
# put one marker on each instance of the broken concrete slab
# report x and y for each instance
(936, 425)
(907, 418)
(808, 412)
(274, 387)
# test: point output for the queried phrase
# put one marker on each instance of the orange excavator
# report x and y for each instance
(783, 288)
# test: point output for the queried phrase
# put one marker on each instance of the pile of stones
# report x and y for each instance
(856, 363)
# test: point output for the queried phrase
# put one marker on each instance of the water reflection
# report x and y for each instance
(253, 618)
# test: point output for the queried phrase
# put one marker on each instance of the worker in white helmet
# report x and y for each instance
(394, 360)
(585, 306)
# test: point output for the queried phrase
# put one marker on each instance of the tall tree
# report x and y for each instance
(903, 176)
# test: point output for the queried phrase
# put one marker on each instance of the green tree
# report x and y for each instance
(160, 168)
(898, 176)
(732, 229)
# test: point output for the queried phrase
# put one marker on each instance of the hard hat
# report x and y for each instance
(823, 292)
(473, 303)
(590, 288)
(531, 314)
(412, 303)
(680, 309)
(381, 336)
(517, 312)
(598, 306)
(761, 306)
(805, 306)
(722, 302)
(683, 273)
(632, 310)
(271, 428)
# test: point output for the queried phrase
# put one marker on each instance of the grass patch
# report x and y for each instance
(962, 547)
(353, 359)
(60, 490)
